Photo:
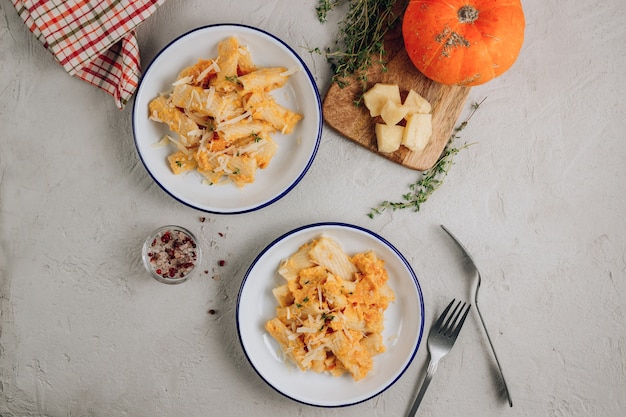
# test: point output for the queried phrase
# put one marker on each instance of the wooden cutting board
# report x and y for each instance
(356, 124)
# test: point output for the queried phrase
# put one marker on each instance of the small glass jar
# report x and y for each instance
(171, 254)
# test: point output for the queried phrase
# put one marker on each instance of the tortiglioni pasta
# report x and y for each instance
(224, 116)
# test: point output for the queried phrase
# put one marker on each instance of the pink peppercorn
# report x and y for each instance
(172, 254)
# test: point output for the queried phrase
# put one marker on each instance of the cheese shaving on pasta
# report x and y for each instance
(184, 80)
(331, 308)
(221, 132)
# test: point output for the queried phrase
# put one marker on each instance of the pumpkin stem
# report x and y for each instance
(467, 14)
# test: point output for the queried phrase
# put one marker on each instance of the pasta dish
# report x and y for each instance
(331, 308)
(223, 116)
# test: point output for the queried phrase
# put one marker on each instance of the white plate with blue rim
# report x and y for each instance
(403, 320)
(296, 151)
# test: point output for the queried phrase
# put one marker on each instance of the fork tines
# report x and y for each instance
(453, 325)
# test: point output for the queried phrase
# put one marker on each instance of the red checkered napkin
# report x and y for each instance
(93, 40)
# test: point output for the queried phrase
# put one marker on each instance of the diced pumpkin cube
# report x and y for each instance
(388, 137)
(376, 97)
(417, 132)
(392, 112)
(415, 103)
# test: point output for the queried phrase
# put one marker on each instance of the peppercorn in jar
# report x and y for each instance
(171, 254)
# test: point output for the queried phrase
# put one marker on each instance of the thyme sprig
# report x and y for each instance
(361, 36)
(421, 190)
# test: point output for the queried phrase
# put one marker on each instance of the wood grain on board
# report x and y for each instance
(356, 124)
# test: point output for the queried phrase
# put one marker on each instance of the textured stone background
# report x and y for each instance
(538, 200)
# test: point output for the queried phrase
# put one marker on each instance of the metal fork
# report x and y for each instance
(476, 287)
(441, 338)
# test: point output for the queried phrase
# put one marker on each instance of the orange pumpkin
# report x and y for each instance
(463, 42)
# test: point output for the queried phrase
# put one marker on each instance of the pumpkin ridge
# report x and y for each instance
(424, 6)
(483, 51)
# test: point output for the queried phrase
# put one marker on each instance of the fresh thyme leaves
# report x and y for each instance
(361, 36)
(326, 317)
(323, 7)
(233, 79)
(421, 190)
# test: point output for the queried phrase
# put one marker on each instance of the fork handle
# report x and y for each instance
(432, 367)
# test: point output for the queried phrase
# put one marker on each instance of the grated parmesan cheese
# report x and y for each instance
(180, 146)
(290, 72)
(212, 67)
(185, 80)
(165, 140)
(234, 120)
(253, 146)
(210, 97)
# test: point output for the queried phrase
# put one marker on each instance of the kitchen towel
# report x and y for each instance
(93, 40)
